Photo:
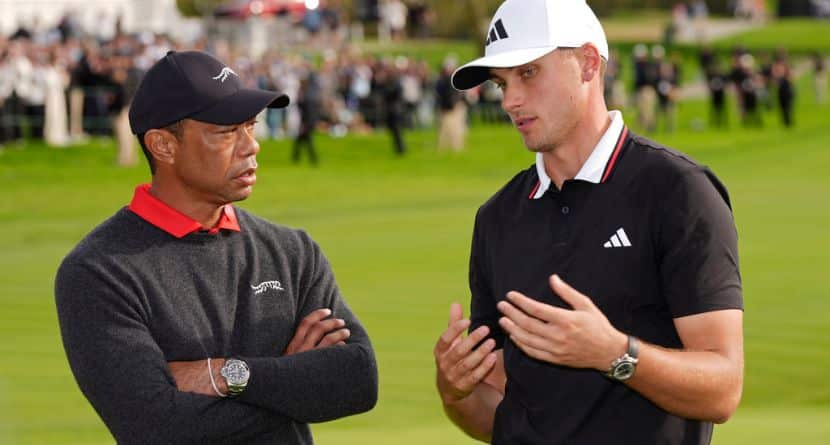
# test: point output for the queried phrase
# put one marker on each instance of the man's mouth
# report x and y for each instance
(247, 177)
(523, 123)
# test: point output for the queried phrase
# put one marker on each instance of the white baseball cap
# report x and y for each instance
(524, 30)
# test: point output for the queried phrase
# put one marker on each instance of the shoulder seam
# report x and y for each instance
(647, 143)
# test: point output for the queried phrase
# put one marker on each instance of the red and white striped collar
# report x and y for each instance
(598, 166)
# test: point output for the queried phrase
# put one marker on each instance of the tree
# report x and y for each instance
(465, 18)
(198, 8)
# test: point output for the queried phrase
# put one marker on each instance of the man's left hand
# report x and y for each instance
(578, 338)
(193, 376)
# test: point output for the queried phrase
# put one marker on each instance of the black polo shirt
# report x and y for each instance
(648, 234)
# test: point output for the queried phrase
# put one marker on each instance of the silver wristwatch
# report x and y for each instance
(236, 374)
(622, 368)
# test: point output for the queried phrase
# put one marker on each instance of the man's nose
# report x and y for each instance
(512, 99)
(248, 142)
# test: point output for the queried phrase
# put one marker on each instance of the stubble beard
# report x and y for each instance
(539, 144)
(551, 138)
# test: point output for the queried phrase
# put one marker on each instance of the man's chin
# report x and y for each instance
(244, 195)
(538, 148)
(239, 195)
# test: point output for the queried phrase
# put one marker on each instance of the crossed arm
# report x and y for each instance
(315, 331)
(142, 398)
(702, 381)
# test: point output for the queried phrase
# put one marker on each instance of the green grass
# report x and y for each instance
(797, 35)
(397, 232)
(432, 51)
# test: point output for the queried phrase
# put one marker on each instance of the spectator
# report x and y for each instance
(717, 82)
(452, 109)
(393, 15)
(668, 80)
(412, 91)
(767, 81)
(420, 18)
(707, 60)
(749, 92)
(31, 88)
(645, 80)
(56, 79)
(786, 90)
(17, 68)
(614, 87)
(425, 109)
(6, 92)
(391, 94)
(738, 76)
(309, 104)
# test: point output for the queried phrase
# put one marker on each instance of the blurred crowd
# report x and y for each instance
(754, 83)
(62, 86)
(762, 83)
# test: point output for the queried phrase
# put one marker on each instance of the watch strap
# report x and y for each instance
(633, 347)
(623, 367)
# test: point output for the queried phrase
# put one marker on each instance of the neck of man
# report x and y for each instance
(565, 160)
(197, 208)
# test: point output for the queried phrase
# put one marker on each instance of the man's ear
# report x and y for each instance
(591, 62)
(162, 145)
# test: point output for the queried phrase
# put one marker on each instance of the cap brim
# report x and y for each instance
(478, 71)
(241, 106)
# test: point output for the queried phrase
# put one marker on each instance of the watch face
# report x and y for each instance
(236, 372)
(624, 370)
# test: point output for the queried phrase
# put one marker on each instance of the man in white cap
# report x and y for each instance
(606, 295)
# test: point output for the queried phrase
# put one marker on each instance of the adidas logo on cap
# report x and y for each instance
(497, 32)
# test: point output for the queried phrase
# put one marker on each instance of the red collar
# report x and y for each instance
(176, 223)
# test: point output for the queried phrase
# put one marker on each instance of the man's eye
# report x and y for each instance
(528, 72)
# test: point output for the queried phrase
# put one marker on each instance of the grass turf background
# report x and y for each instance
(397, 232)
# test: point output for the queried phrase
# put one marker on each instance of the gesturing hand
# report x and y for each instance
(460, 366)
(579, 338)
(316, 331)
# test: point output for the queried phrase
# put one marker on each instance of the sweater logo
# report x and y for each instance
(263, 287)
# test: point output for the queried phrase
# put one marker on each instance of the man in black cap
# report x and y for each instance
(187, 320)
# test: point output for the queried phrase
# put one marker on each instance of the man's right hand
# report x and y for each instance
(316, 331)
(460, 366)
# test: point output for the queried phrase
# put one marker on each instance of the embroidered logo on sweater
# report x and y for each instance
(265, 286)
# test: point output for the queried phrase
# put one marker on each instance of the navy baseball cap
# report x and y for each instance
(195, 85)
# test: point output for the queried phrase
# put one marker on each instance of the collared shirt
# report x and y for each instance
(642, 230)
(598, 165)
(174, 222)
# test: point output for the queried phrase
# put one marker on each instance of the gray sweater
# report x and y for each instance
(130, 297)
